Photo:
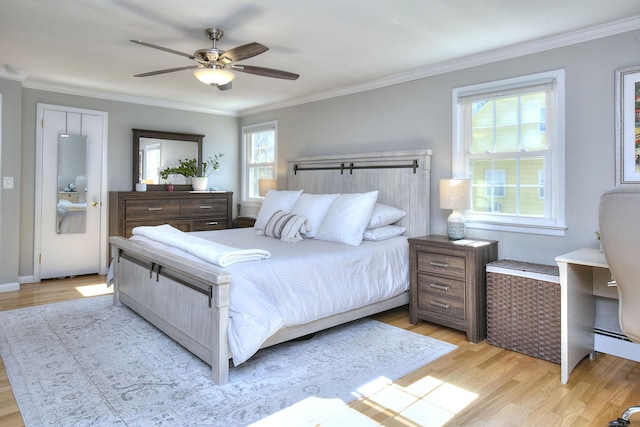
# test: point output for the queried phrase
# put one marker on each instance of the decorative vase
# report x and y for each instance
(199, 183)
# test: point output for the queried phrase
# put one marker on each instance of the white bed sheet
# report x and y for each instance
(302, 282)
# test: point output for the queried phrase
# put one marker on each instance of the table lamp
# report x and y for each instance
(454, 194)
(265, 185)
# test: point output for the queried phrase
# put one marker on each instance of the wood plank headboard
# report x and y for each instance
(401, 177)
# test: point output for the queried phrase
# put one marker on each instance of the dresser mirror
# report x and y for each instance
(155, 150)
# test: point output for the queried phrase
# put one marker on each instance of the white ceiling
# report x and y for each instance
(337, 46)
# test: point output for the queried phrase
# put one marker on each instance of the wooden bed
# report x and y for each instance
(190, 303)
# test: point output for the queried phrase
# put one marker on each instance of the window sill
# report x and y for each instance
(539, 229)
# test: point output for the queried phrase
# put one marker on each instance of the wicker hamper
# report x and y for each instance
(523, 308)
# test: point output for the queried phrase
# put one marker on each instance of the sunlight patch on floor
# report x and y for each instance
(426, 402)
(94, 290)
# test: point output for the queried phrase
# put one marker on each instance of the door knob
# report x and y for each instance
(94, 204)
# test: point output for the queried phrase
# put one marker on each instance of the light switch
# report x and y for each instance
(7, 182)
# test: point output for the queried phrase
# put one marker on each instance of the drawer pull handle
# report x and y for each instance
(439, 304)
(212, 223)
(441, 287)
(154, 209)
(439, 264)
(205, 207)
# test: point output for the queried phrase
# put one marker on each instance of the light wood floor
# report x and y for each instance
(481, 384)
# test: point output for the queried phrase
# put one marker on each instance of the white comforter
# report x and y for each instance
(207, 250)
(302, 282)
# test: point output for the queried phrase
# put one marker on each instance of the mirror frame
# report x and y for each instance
(174, 136)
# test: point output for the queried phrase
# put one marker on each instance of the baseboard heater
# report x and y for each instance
(611, 334)
(616, 344)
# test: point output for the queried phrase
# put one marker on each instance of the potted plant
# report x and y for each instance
(189, 169)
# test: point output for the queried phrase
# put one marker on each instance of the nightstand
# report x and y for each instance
(448, 282)
(245, 221)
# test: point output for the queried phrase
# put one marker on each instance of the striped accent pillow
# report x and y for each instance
(286, 226)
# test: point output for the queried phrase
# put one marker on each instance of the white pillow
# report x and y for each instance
(383, 233)
(285, 226)
(314, 207)
(384, 215)
(275, 200)
(347, 218)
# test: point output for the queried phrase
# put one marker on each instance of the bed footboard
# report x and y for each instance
(186, 301)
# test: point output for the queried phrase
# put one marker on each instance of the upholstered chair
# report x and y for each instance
(620, 235)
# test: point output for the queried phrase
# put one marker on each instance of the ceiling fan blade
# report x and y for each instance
(166, 49)
(245, 51)
(266, 72)
(168, 70)
(224, 87)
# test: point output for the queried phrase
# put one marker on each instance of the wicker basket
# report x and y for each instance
(523, 308)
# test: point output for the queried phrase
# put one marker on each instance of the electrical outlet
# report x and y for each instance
(7, 182)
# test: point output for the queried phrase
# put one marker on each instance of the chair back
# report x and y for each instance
(620, 235)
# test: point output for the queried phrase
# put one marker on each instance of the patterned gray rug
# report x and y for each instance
(86, 362)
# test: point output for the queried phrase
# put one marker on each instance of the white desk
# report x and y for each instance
(583, 274)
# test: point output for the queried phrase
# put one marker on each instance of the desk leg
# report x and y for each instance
(577, 317)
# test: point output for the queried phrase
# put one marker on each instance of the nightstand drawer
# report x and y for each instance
(198, 208)
(440, 286)
(446, 265)
(452, 307)
(152, 209)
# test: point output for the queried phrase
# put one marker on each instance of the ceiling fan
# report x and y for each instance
(215, 66)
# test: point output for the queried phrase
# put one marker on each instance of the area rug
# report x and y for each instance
(87, 362)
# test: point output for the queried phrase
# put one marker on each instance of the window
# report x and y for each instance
(509, 140)
(259, 152)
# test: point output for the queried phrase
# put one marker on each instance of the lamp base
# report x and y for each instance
(456, 227)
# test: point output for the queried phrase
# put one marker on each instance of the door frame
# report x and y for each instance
(37, 229)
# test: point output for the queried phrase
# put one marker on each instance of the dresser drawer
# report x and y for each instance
(446, 265)
(452, 307)
(208, 224)
(198, 208)
(441, 286)
(152, 209)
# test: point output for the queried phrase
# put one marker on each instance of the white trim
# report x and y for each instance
(510, 52)
(152, 102)
(37, 226)
(9, 287)
(555, 223)
(270, 125)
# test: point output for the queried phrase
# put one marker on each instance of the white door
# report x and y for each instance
(70, 219)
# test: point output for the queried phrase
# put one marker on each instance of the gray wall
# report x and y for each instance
(405, 116)
(418, 115)
(221, 135)
(10, 166)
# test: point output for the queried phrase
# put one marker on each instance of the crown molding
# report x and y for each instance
(509, 52)
(11, 73)
(152, 102)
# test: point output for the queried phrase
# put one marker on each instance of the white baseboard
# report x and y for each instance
(26, 279)
(9, 287)
(617, 347)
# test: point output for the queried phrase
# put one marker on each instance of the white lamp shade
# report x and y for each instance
(265, 185)
(214, 76)
(454, 194)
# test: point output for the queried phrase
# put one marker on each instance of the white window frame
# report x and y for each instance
(553, 223)
(246, 130)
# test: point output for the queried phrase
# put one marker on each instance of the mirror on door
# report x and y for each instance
(72, 184)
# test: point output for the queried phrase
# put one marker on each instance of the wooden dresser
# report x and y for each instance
(448, 282)
(183, 210)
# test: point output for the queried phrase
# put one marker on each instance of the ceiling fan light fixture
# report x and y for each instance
(214, 76)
